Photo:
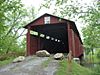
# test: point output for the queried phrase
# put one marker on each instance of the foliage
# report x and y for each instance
(12, 16)
(96, 70)
(95, 57)
(62, 8)
(91, 32)
(6, 61)
(98, 54)
(7, 44)
(5, 39)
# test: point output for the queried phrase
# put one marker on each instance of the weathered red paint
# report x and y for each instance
(71, 41)
(77, 44)
(28, 41)
(56, 20)
(33, 44)
(38, 22)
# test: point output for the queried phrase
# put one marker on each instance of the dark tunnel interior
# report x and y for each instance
(57, 31)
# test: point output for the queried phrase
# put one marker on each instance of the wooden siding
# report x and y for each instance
(74, 43)
(40, 21)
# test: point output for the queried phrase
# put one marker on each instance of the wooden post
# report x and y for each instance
(71, 39)
(73, 43)
(70, 57)
(39, 41)
(28, 42)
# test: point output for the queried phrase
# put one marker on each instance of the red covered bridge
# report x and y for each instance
(53, 34)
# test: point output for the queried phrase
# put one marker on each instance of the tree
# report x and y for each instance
(12, 20)
(62, 8)
(91, 32)
(2, 18)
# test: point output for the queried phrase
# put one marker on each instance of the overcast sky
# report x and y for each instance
(37, 3)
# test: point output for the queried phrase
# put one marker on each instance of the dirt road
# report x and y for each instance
(31, 66)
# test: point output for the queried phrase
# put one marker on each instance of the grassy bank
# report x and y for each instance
(76, 69)
(93, 59)
(7, 61)
(8, 58)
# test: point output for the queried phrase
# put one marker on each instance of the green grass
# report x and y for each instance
(76, 69)
(45, 63)
(7, 61)
(96, 70)
(96, 60)
(92, 59)
(8, 58)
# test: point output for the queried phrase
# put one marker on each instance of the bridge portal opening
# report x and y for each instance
(54, 37)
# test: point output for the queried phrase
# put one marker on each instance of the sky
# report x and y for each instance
(37, 3)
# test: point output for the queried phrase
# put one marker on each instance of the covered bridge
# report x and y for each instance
(54, 34)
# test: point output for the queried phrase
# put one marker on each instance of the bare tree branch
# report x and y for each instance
(13, 24)
(21, 34)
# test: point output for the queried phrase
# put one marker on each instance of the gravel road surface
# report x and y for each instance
(30, 66)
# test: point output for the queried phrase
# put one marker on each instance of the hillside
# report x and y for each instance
(76, 69)
(45, 66)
